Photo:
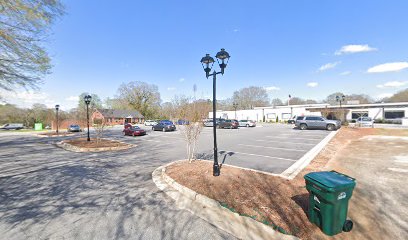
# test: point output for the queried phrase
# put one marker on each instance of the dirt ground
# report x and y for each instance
(273, 200)
(102, 143)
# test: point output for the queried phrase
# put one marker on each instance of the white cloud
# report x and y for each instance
(171, 88)
(272, 88)
(392, 84)
(72, 98)
(328, 66)
(388, 67)
(345, 73)
(312, 84)
(384, 95)
(182, 80)
(235, 30)
(30, 96)
(354, 48)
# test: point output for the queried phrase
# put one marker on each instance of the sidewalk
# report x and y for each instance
(378, 206)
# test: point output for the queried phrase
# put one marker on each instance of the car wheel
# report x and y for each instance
(164, 130)
(303, 126)
(247, 125)
(330, 127)
(124, 133)
(152, 128)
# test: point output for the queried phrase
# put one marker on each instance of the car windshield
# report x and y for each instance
(366, 119)
(74, 126)
(135, 128)
(167, 122)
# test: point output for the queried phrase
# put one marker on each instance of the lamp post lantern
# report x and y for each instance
(87, 100)
(235, 106)
(207, 62)
(56, 113)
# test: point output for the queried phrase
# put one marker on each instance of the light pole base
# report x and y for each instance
(216, 170)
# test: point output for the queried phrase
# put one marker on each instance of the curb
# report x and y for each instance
(300, 164)
(211, 211)
(72, 148)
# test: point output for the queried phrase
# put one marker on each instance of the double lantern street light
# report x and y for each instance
(87, 100)
(207, 63)
(56, 113)
(340, 99)
(235, 106)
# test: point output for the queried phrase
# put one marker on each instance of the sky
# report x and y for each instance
(305, 48)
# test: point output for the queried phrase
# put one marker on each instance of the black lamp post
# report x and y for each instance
(87, 100)
(207, 62)
(340, 99)
(56, 112)
(235, 106)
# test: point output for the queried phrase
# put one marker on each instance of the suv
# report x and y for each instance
(315, 122)
(228, 123)
(150, 123)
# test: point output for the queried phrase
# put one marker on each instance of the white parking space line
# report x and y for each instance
(286, 149)
(295, 138)
(264, 156)
(270, 141)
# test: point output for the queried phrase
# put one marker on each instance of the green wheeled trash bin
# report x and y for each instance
(329, 194)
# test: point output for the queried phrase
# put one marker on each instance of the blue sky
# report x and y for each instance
(306, 48)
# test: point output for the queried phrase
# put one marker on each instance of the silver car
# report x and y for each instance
(315, 122)
(365, 122)
(247, 123)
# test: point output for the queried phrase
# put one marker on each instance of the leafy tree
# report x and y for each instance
(140, 96)
(250, 97)
(23, 26)
(361, 98)
(401, 96)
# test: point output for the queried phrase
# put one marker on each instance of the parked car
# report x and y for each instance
(228, 123)
(209, 122)
(315, 122)
(150, 123)
(365, 122)
(247, 123)
(183, 122)
(292, 120)
(164, 126)
(74, 128)
(12, 126)
(133, 131)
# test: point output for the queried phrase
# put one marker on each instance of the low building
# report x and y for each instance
(117, 116)
(390, 112)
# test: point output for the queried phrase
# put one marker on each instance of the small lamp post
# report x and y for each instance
(207, 62)
(235, 106)
(87, 100)
(56, 113)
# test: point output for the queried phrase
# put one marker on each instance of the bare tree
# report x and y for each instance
(99, 126)
(276, 102)
(250, 97)
(23, 26)
(401, 96)
(192, 113)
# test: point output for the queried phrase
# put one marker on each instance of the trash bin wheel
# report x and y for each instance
(348, 225)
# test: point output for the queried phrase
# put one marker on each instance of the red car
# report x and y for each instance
(133, 131)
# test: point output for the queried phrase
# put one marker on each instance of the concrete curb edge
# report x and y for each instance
(300, 164)
(211, 211)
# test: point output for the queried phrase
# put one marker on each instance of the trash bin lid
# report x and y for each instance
(331, 180)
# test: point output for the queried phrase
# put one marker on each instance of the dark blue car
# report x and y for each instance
(164, 125)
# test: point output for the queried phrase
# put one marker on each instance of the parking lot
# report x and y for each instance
(47, 192)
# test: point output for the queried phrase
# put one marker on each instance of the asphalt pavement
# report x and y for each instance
(49, 193)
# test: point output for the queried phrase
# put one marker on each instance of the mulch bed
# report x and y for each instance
(269, 199)
(102, 143)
